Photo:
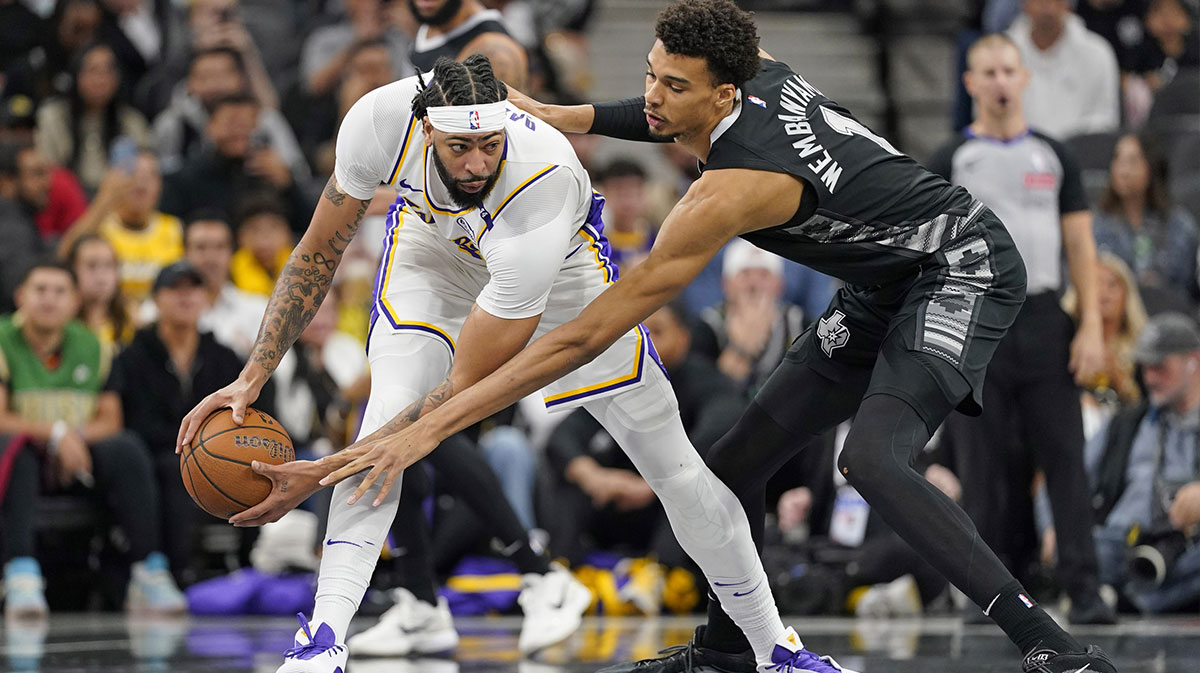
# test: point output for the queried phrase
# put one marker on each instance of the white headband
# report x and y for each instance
(481, 118)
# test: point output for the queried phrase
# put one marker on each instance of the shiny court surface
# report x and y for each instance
(111, 643)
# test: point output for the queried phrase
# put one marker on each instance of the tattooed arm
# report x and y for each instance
(508, 58)
(298, 293)
(485, 343)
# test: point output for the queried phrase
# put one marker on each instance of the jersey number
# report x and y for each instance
(848, 127)
(521, 115)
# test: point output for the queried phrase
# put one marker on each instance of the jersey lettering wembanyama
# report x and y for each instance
(876, 215)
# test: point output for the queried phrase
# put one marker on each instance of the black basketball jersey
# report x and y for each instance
(877, 212)
(426, 51)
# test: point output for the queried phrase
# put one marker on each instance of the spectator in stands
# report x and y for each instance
(748, 333)
(102, 306)
(236, 164)
(627, 222)
(179, 130)
(51, 191)
(368, 66)
(1074, 81)
(1031, 408)
(1137, 222)
(232, 315)
(52, 373)
(146, 36)
(1144, 467)
(22, 243)
(170, 366)
(329, 49)
(21, 31)
(126, 212)
(79, 130)
(596, 492)
(1123, 317)
(313, 380)
(266, 34)
(1119, 22)
(1171, 43)
(44, 71)
(264, 243)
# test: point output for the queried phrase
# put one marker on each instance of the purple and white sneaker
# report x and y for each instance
(314, 653)
(789, 656)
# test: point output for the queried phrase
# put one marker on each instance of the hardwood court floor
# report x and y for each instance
(104, 643)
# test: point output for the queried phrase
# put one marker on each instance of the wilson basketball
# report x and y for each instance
(216, 465)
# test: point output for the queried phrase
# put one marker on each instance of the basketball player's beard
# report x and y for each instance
(439, 18)
(461, 197)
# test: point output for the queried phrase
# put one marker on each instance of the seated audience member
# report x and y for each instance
(21, 243)
(102, 306)
(627, 223)
(21, 31)
(312, 383)
(179, 130)
(596, 498)
(232, 315)
(264, 243)
(126, 212)
(170, 366)
(1119, 22)
(368, 66)
(43, 71)
(329, 49)
(1171, 43)
(1074, 81)
(236, 163)
(1144, 469)
(1123, 317)
(79, 130)
(51, 192)
(52, 373)
(1136, 221)
(748, 333)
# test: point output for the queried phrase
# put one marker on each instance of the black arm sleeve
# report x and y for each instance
(623, 119)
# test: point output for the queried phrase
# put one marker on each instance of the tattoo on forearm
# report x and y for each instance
(427, 402)
(331, 192)
(301, 287)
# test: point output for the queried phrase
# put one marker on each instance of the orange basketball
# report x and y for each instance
(216, 465)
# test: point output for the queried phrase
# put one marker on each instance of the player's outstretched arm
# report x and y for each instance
(485, 343)
(299, 291)
(699, 225)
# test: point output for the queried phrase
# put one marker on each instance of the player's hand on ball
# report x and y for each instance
(237, 396)
(387, 457)
(291, 484)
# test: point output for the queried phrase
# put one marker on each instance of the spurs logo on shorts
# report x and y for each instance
(832, 332)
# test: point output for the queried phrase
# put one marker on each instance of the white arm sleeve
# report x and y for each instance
(525, 249)
(362, 163)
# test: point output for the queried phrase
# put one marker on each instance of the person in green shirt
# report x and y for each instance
(56, 416)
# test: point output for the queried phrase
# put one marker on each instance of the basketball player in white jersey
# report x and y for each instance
(495, 238)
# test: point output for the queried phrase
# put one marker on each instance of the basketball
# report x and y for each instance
(216, 465)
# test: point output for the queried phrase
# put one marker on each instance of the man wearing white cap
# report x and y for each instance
(748, 333)
(495, 237)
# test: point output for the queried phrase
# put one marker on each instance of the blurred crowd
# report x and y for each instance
(159, 158)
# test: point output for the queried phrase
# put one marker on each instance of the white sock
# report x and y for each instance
(356, 534)
(748, 602)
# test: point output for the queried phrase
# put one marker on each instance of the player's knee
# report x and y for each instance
(863, 460)
(700, 507)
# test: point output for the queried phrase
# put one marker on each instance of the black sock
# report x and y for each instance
(1026, 623)
(721, 633)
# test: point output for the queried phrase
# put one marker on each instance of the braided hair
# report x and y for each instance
(467, 83)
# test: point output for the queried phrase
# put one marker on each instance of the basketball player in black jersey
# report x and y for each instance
(458, 28)
(933, 281)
